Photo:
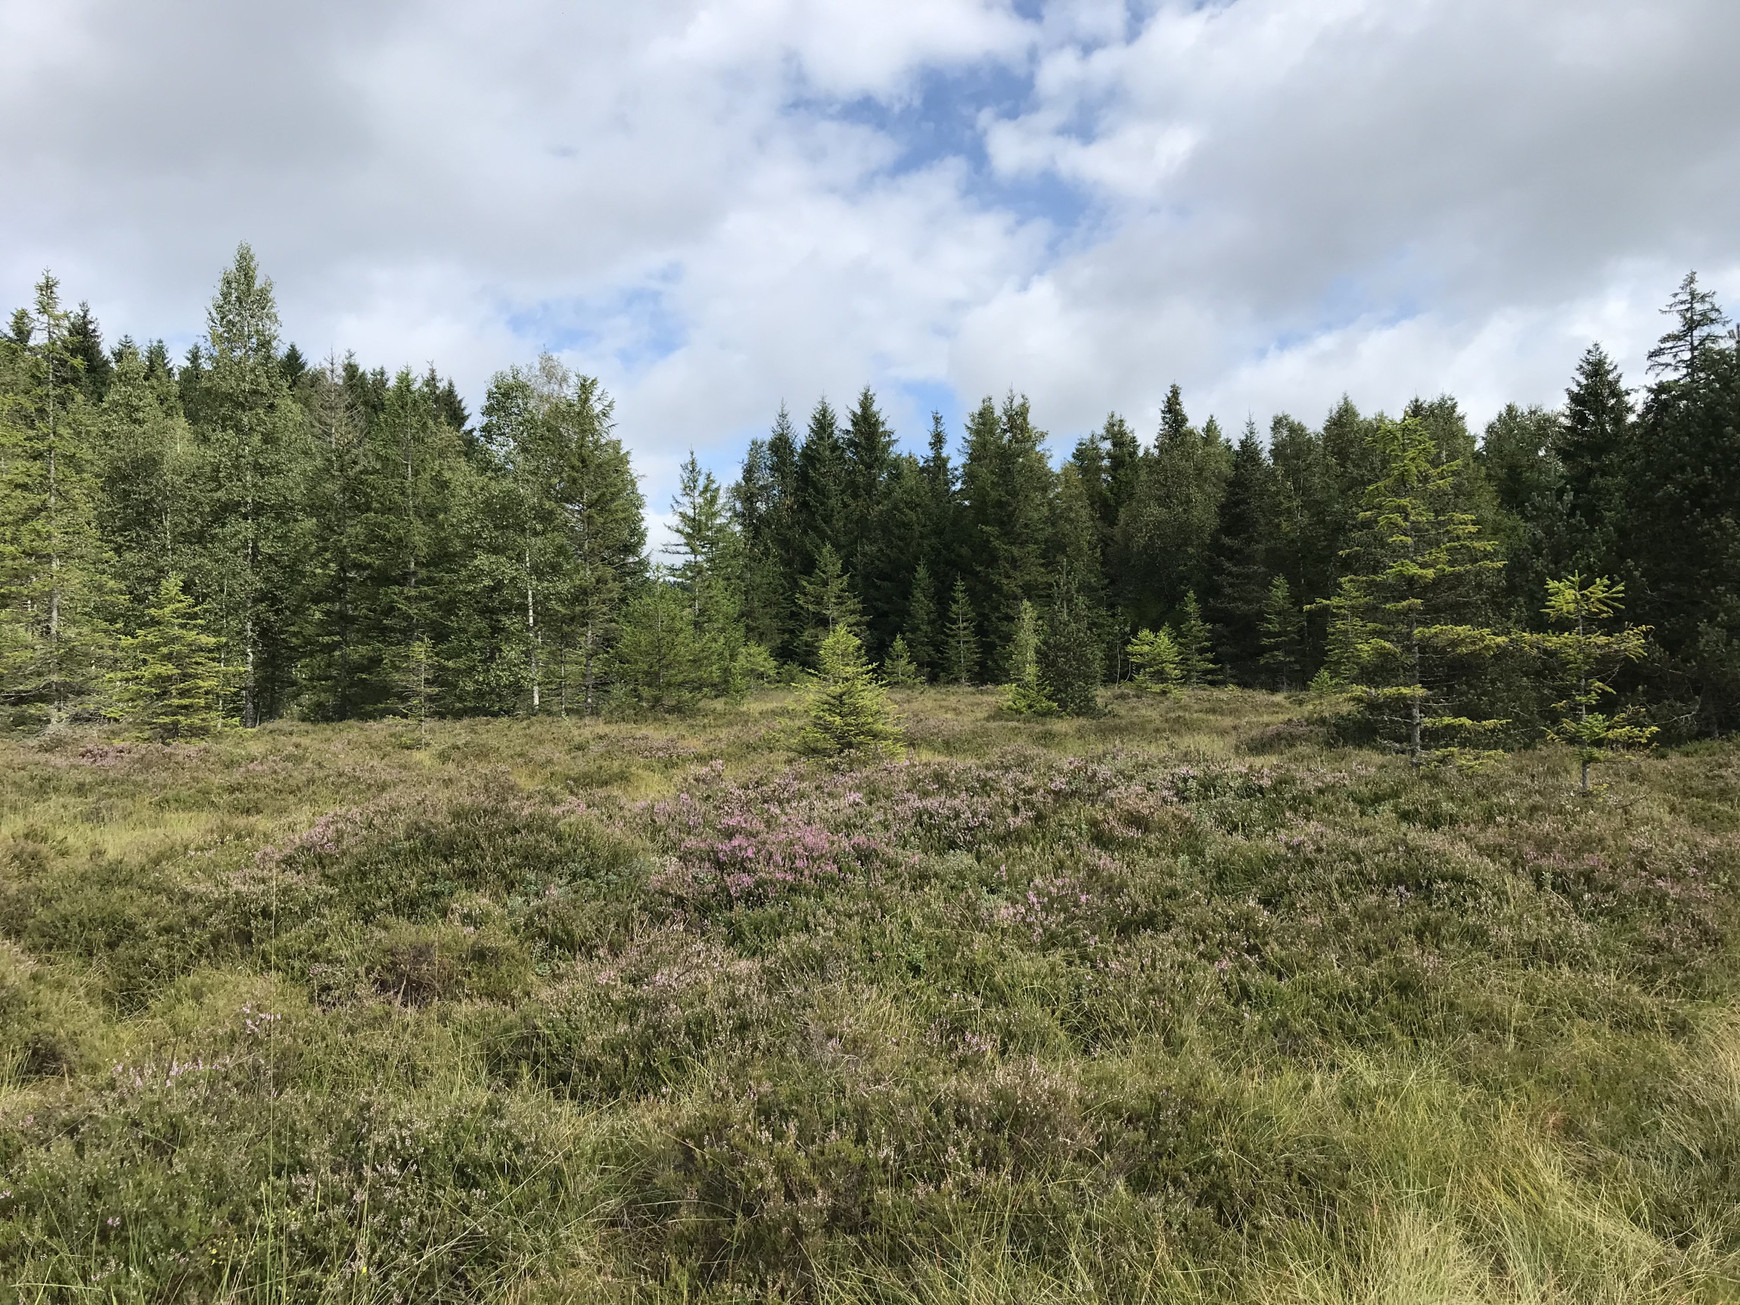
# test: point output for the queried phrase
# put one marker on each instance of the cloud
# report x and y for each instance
(719, 204)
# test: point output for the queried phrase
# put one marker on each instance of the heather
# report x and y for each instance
(1195, 1000)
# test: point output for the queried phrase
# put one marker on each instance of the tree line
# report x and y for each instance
(246, 535)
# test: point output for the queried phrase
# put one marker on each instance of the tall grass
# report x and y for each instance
(1188, 1003)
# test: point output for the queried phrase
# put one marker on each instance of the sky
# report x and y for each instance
(718, 206)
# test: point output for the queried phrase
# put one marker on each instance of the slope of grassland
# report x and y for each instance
(1181, 1004)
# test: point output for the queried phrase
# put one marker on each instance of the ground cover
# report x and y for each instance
(1183, 1003)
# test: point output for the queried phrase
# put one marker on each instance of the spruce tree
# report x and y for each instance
(1166, 531)
(1158, 666)
(961, 640)
(823, 492)
(709, 569)
(1024, 694)
(1007, 486)
(826, 599)
(1239, 571)
(1413, 604)
(1584, 653)
(923, 629)
(416, 682)
(174, 682)
(846, 708)
(56, 595)
(252, 433)
(1071, 649)
(1590, 447)
(1283, 637)
(898, 668)
(1680, 535)
(1195, 644)
(658, 663)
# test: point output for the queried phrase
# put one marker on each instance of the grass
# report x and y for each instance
(1186, 1003)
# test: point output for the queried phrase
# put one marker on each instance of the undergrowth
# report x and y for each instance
(1180, 1004)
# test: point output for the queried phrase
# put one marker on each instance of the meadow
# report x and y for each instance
(1188, 1002)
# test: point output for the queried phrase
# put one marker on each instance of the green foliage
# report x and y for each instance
(826, 599)
(846, 708)
(1107, 1011)
(1158, 663)
(659, 663)
(1283, 656)
(898, 668)
(1584, 652)
(174, 686)
(1071, 651)
(1025, 693)
(1195, 644)
(1409, 610)
(923, 629)
(961, 661)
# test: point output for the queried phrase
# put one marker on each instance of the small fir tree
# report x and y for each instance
(1024, 694)
(1195, 644)
(172, 690)
(1584, 653)
(1071, 651)
(826, 599)
(1411, 609)
(659, 663)
(1156, 661)
(923, 630)
(415, 672)
(898, 668)
(847, 707)
(1283, 636)
(963, 639)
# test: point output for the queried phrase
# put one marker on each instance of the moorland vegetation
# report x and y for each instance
(1182, 1002)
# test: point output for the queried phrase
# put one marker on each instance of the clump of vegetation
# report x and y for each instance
(173, 690)
(1025, 695)
(1584, 652)
(1158, 664)
(846, 707)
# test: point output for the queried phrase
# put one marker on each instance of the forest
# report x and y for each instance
(245, 535)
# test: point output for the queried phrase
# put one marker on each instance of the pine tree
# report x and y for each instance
(826, 599)
(1024, 694)
(1007, 486)
(1239, 571)
(923, 630)
(56, 597)
(1591, 447)
(1584, 653)
(1283, 637)
(1423, 571)
(1071, 649)
(174, 682)
(847, 709)
(416, 681)
(1154, 655)
(961, 660)
(252, 432)
(658, 663)
(1195, 644)
(898, 668)
(709, 570)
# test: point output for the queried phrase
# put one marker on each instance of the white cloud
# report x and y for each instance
(699, 200)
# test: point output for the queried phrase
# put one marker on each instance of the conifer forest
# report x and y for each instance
(347, 543)
(1208, 863)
